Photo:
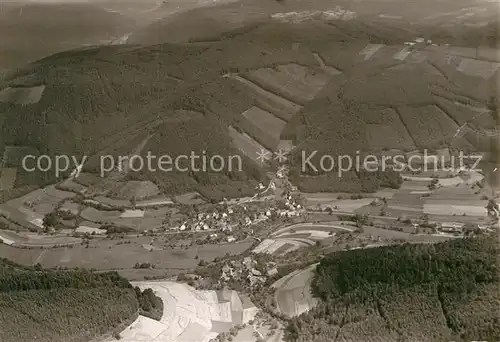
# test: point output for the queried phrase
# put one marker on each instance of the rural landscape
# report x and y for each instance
(240, 171)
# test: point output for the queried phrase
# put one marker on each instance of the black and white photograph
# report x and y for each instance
(249, 171)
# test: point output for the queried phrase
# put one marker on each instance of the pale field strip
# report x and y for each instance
(403, 208)
(483, 69)
(457, 207)
(370, 50)
(313, 233)
(308, 226)
(403, 54)
(154, 202)
(424, 192)
(263, 245)
(6, 241)
(247, 144)
(22, 96)
(85, 229)
(265, 121)
(270, 246)
(290, 106)
(132, 213)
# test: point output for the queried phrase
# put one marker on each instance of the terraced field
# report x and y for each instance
(298, 236)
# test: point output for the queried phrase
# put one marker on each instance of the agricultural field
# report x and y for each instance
(456, 207)
(136, 189)
(293, 82)
(277, 105)
(31, 240)
(189, 198)
(189, 314)
(429, 126)
(265, 121)
(290, 238)
(246, 144)
(22, 96)
(32, 207)
(122, 255)
(293, 293)
(385, 130)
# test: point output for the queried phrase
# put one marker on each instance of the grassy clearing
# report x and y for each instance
(265, 121)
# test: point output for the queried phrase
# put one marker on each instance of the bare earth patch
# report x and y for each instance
(22, 96)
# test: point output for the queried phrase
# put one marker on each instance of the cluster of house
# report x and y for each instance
(247, 270)
(229, 219)
(457, 228)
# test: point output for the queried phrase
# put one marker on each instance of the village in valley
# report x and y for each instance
(284, 249)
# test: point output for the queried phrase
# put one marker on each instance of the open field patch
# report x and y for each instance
(30, 209)
(132, 213)
(100, 216)
(346, 205)
(109, 255)
(34, 240)
(429, 126)
(113, 202)
(7, 178)
(293, 82)
(478, 68)
(293, 292)
(265, 121)
(455, 208)
(297, 228)
(280, 246)
(246, 144)
(22, 96)
(282, 108)
(136, 189)
(157, 201)
(189, 198)
(87, 227)
(72, 186)
(385, 130)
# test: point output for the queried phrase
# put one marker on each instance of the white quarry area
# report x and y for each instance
(189, 314)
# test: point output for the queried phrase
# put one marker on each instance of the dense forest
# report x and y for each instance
(411, 292)
(67, 306)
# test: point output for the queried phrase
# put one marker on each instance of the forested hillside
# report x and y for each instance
(65, 306)
(435, 292)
